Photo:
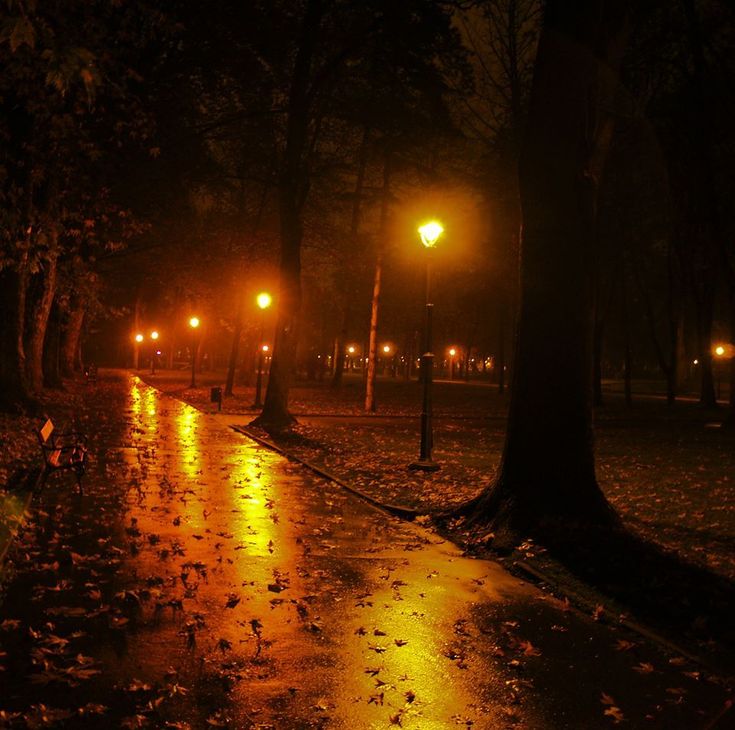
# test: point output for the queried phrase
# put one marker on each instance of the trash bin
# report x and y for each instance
(215, 396)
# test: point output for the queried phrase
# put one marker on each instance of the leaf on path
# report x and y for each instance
(624, 645)
(606, 699)
(400, 642)
(643, 668)
(529, 649)
(232, 600)
(598, 612)
(615, 713)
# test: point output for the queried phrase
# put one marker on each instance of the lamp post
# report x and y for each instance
(429, 233)
(386, 353)
(452, 353)
(154, 338)
(194, 324)
(719, 352)
(264, 300)
(136, 355)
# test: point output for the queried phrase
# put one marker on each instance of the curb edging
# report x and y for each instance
(404, 513)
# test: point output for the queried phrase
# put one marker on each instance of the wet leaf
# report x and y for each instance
(643, 668)
(615, 713)
(232, 600)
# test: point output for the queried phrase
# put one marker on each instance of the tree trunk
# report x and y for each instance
(52, 350)
(292, 187)
(15, 394)
(234, 348)
(546, 484)
(372, 356)
(37, 320)
(500, 361)
(707, 395)
(598, 339)
(70, 338)
(339, 349)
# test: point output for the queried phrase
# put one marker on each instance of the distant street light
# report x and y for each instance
(264, 300)
(194, 324)
(720, 352)
(136, 350)
(452, 353)
(429, 233)
(154, 338)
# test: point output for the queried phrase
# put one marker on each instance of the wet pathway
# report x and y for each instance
(205, 582)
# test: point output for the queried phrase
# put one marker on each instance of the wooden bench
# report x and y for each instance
(62, 450)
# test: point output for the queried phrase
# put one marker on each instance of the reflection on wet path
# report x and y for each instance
(205, 582)
(312, 610)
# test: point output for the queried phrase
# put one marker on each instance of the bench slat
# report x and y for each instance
(46, 430)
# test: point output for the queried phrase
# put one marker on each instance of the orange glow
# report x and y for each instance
(430, 233)
(154, 335)
(264, 300)
(194, 322)
(266, 348)
(139, 337)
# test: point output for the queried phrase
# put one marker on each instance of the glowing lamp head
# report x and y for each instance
(158, 352)
(695, 362)
(452, 352)
(719, 350)
(194, 322)
(266, 348)
(264, 300)
(154, 335)
(139, 337)
(386, 349)
(430, 233)
(351, 350)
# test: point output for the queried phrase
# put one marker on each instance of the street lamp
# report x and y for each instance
(194, 324)
(264, 300)
(429, 233)
(154, 337)
(452, 353)
(720, 352)
(136, 355)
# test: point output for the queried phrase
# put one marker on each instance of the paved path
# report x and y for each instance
(205, 582)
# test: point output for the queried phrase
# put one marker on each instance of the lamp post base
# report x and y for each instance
(423, 465)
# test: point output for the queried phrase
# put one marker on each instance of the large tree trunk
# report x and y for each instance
(15, 394)
(292, 188)
(546, 482)
(71, 336)
(52, 350)
(37, 320)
